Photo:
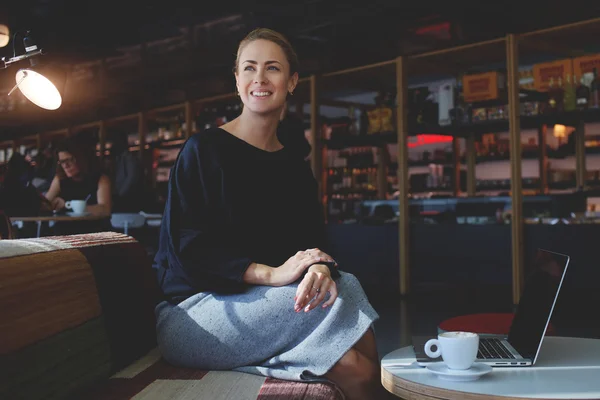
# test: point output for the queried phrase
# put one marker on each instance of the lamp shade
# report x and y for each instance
(38, 89)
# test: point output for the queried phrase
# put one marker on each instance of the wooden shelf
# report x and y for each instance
(527, 122)
(374, 140)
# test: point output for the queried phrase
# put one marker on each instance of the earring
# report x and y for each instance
(291, 93)
(237, 94)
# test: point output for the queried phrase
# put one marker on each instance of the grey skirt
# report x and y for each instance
(260, 333)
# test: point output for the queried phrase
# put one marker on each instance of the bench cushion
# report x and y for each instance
(73, 310)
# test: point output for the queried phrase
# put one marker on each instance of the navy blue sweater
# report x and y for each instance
(230, 204)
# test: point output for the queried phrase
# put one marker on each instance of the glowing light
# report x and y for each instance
(38, 89)
(424, 139)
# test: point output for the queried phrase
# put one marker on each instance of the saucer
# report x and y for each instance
(74, 214)
(476, 371)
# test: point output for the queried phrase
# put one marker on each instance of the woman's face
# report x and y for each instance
(68, 163)
(263, 77)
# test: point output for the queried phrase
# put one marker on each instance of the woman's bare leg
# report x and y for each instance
(358, 373)
(367, 346)
(355, 375)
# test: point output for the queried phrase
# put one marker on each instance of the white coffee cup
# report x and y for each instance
(78, 206)
(458, 349)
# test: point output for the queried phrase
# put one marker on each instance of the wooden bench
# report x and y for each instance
(77, 321)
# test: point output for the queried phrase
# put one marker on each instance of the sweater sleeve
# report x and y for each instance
(199, 245)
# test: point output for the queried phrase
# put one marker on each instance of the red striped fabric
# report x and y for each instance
(275, 389)
(93, 239)
(272, 389)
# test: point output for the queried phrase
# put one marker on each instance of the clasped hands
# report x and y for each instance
(316, 283)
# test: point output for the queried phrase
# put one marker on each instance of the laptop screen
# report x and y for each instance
(537, 302)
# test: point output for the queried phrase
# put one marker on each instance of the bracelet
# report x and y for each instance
(330, 264)
(333, 270)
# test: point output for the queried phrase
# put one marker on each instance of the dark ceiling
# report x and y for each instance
(120, 61)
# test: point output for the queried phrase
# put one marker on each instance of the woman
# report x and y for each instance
(245, 284)
(76, 179)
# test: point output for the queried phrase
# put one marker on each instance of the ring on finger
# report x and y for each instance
(317, 289)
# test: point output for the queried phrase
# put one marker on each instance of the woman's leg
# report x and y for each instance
(355, 375)
(358, 373)
(367, 346)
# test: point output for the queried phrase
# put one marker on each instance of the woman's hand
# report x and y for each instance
(314, 287)
(58, 203)
(45, 204)
(294, 267)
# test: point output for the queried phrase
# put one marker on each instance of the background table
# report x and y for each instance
(58, 218)
(567, 368)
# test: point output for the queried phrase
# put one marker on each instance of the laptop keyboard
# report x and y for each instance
(492, 348)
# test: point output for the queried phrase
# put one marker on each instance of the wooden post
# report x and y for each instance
(456, 159)
(580, 168)
(543, 158)
(189, 119)
(512, 67)
(102, 138)
(316, 160)
(471, 162)
(402, 124)
(382, 167)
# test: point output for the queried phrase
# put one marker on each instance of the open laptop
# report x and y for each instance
(522, 345)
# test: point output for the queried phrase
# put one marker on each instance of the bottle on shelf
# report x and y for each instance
(552, 102)
(559, 95)
(353, 128)
(594, 88)
(582, 94)
(447, 112)
(569, 98)
(363, 121)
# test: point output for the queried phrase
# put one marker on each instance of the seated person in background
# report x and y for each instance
(18, 197)
(128, 177)
(44, 170)
(76, 179)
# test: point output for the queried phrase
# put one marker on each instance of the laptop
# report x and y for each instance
(522, 345)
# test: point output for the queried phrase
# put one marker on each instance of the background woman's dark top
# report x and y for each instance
(79, 190)
(230, 204)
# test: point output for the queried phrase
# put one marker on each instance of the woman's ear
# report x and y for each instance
(293, 81)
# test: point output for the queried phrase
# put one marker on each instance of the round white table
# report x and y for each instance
(567, 368)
